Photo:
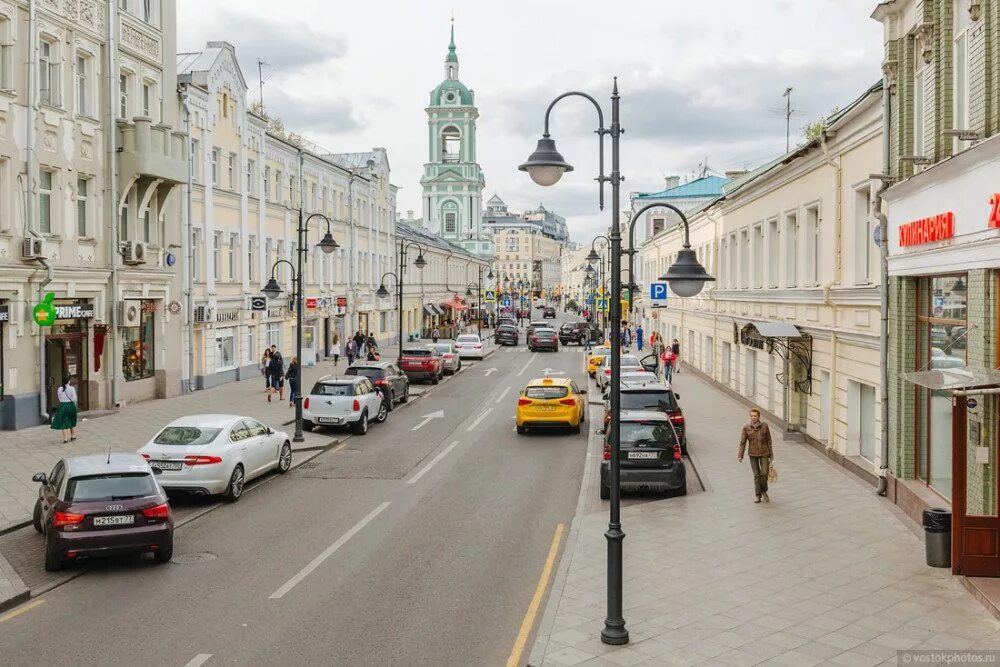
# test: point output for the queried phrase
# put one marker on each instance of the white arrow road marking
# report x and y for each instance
(480, 418)
(198, 660)
(427, 418)
(526, 364)
(423, 471)
(491, 370)
(502, 394)
(329, 551)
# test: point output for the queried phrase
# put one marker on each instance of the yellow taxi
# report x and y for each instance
(595, 358)
(551, 403)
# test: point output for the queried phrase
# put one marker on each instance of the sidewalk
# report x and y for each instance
(827, 572)
(25, 452)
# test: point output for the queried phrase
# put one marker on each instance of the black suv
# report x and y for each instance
(577, 332)
(549, 311)
(656, 396)
(391, 381)
(506, 334)
(650, 456)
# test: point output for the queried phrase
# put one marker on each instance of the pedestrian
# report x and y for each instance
(435, 334)
(669, 364)
(373, 354)
(335, 349)
(658, 349)
(352, 351)
(757, 435)
(638, 337)
(64, 419)
(293, 380)
(675, 347)
(371, 343)
(264, 362)
(359, 340)
(276, 371)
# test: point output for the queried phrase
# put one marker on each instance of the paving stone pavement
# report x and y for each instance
(28, 451)
(826, 572)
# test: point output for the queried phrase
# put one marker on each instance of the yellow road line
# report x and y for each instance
(529, 617)
(20, 610)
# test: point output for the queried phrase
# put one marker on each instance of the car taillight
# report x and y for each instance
(677, 452)
(356, 405)
(477, 346)
(607, 451)
(195, 460)
(568, 401)
(381, 382)
(145, 456)
(524, 401)
(305, 403)
(61, 519)
(158, 512)
(607, 371)
(677, 418)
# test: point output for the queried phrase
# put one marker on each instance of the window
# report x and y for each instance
(225, 350)
(147, 97)
(659, 224)
(45, 201)
(745, 258)
(866, 252)
(123, 221)
(451, 145)
(723, 257)
(942, 330)
(758, 256)
(196, 160)
(82, 85)
(861, 418)
(49, 84)
(123, 96)
(277, 186)
(232, 255)
(138, 351)
(273, 334)
(919, 97)
(451, 223)
(812, 238)
(197, 248)
(251, 177)
(6, 54)
(291, 188)
(791, 249)
(960, 74)
(81, 206)
(773, 252)
(217, 256)
(734, 265)
(267, 179)
(148, 12)
(232, 172)
(215, 166)
(147, 224)
(251, 247)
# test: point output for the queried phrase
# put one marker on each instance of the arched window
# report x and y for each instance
(451, 144)
(449, 217)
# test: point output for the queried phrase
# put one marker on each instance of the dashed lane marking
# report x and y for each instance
(502, 394)
(479, 419)
(198, 660)
(423, 471)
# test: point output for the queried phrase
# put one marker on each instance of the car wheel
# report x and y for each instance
(435, 379)
(165, 552)
(680, 492)
(521, 429)
(406, 395)
(605, 492)
(285, 458)
(53, 561)
(383, 413)
(391, 401)
(360, 427)
(234, 491)
(36, 516)
(576, 429)
(307, 425)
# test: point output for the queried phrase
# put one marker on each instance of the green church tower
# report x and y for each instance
(453, 181)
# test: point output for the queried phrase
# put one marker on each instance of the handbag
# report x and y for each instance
(772, 473)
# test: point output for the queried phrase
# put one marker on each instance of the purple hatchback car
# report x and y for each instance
(101, 505)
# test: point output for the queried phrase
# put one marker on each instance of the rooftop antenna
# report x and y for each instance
(788, 118)
(260, 79)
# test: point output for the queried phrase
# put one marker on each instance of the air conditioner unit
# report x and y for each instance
(135, 252)
(204, 314)
(129, 314)
(32, 248)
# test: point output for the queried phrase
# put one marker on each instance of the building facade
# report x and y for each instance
(453, 181)
(791, 323)
(92, 159)
(942, 216)
(527, 247)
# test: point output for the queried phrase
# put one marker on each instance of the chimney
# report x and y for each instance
(735, 174)
(409, 215)
(672, 182)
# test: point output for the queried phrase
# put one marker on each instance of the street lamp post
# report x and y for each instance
(382, 292)
(545, 167)
(327, 244)
(592, 259)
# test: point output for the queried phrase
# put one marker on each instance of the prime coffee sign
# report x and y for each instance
(77, 311)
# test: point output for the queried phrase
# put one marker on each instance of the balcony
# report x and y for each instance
(151, 152)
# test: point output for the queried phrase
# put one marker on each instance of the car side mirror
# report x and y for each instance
(270, 431)
(677, 397)
(157, 472)
(40, 478)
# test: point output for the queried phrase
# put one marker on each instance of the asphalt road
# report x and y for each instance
(418, 544)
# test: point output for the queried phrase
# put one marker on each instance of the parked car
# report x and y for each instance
(469, 345)
(595, 358)
(422, 363)
(102, 505)
(212, 454)
(344, 401)
(507, 321)
(629, 362)
(387, 377)
(577, 332)
(549, 312)
(650, 455)
(656, 396)
(631, 378)
(507, 334)
(551, 403)
(536, 324)
(452, 362)
(543, 339)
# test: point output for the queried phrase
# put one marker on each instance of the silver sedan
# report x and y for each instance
(452, 362)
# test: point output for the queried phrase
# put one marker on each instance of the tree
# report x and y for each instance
(572, 305)
(815, 130)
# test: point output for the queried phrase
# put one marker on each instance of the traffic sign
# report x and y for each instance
(658, 294)
(491, 296)
(505, 302)
(600, 291)
(524, 301)
(589, 300)
(602, 305)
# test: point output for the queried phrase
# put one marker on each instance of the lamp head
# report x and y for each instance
(328, 244)
(489, 276)
(382, 292)
(686, 276)
(271, 290)
(468, 293)
(546, 165)
(593, 258)
(420, 262)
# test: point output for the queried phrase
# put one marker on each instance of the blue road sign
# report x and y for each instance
(590, 300)
(505, 302)
(490, 296)
(602, 305)
(657, 291)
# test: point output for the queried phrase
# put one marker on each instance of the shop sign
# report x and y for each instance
(994, 220)
(312, 302)
(4, 313)
(228, 315)
(341, 302)
(276, 312)
(927, 230)
(258, 303)
(749, 337)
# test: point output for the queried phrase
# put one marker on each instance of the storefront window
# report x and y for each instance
(138, 350)
(274, 334)
(942, 344)
(225, 350)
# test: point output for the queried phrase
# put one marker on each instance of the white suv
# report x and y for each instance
(344, 401)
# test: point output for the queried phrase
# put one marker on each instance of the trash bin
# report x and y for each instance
(937, 536)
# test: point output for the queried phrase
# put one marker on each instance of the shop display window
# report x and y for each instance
(138, 351)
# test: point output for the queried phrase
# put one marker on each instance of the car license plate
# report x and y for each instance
(545, 408)
(643, 455)
(116, 520)
(328, 420)
(166, 465)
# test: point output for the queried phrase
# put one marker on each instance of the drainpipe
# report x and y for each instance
(189, 242)
(351, 295)
(29, 192)
(113, 249)
(43, 394)
(883, 222)
(838, 272)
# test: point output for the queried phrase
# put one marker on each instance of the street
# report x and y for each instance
(420, 543)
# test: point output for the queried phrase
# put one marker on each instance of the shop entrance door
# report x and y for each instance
(65, 356)
(975, 540)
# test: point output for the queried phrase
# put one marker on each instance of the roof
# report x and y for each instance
(644, 416)
(97, 464)
(560, 382)
(203, 61)
(941, 379)
(495, 199)
(341, 379)
(425, 238)
(639, 387)
(777, 330)
(353, 160)
(465, 97)
(707, 186)
(209, 420)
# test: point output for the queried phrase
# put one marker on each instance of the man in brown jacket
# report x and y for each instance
(758, 435)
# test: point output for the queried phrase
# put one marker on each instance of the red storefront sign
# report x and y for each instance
(310, 302)
(994, 220)
(341, 302)
(927, 230)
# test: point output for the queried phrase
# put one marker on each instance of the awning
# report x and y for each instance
(777, 329)
(940, 379)
(430, 310)
(454, 304)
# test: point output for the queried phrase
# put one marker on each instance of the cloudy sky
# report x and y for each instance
(701, 82)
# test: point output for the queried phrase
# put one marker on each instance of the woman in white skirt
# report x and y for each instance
(335, 349)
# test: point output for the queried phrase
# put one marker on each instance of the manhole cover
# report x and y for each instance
(192, 558)
(309, 465)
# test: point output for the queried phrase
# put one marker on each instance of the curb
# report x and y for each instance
(23, 594)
